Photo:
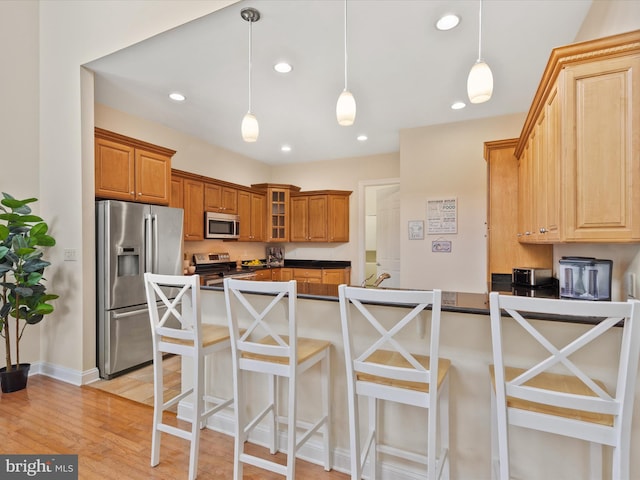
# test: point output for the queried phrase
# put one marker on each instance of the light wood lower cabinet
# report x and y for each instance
(131, 170)
(327, 276)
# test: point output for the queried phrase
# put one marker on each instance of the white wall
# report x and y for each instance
(445, 161)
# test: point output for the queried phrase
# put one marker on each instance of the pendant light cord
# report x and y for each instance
(250, 60)
(480, 33)
(345, 44)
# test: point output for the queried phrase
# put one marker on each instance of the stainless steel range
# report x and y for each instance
(214, 267)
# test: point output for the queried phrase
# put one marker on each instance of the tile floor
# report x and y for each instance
(138, 385)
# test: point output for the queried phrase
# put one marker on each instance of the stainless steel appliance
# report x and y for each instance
(221, 225)
(214, 267)
(275, 256)
(131, 238)
(585, 278)
(531, 277)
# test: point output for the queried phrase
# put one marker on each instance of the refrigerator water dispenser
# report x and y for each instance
(585, 278)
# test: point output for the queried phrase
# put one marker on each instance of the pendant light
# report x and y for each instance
(480, 80)
(249, 127)
(346, 106)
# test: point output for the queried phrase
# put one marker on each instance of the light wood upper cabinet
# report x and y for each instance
(278, 210)
(220, 198)
(504, 250)
(193, 209)
(252, 213)
(130, 169)
(579, 151)
(320, 216)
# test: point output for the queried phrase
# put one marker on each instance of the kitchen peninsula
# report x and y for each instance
(466, 341)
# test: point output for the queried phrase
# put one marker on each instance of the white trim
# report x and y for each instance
(64, 374)
(362, 184)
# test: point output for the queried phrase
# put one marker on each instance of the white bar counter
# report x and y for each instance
(466, 341)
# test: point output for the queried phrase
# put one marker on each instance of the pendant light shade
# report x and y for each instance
(480, 80)
(249, 127)
(346, 106)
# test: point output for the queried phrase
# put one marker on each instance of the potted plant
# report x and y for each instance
(22, 292)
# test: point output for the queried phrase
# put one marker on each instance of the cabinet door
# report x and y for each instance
(299, 228)
(218, 198)
(504, 250)
(115, 171)
(177, 192)
(258, 202)
(338, 221)
(244, 212)
(333, 276)
(602, 170)
(152, 177)
(193, 210)
(307, 275)
(278, 215)
(317, 218)
(263, 275)
(283, 274)
(552, 160)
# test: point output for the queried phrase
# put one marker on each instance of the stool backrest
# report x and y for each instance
(265, 309)
(178, 317)
(613, 317)
(406, 368)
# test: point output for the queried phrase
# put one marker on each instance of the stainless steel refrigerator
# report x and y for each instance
(132, 238)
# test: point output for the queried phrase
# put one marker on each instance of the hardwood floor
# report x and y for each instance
(138, 385)
(112, 436)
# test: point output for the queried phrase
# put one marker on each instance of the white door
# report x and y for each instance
(388, 234)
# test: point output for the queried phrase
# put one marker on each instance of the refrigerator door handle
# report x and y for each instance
(155, 266)
(148, 252)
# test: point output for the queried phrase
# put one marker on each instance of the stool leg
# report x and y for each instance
(273, 397)
(198, 383)
(158, 401)
(291, 433)
(443, 409)
(373, 423)
(326, 409)
(240, 437)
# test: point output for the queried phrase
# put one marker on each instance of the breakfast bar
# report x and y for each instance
(465, 339)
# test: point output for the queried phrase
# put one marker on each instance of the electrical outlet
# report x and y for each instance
(70, 255)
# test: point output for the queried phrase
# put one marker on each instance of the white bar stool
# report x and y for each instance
(566, 402)
(176, 327)
(380, 368)
(267, 308)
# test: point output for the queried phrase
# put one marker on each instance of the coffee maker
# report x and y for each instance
(585, 278)
(275, 256)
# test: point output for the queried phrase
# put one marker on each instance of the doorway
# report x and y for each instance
(380, 219)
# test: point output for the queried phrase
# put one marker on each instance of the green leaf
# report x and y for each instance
(4, 232)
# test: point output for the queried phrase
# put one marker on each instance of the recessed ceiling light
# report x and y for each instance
(448, 21)
(177, 97)
(285, 148)
(458, 105)
(362, 138)
(282, 67)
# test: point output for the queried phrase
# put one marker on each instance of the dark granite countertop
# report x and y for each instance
(457, 302)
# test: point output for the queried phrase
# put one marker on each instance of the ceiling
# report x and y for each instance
(402, 72)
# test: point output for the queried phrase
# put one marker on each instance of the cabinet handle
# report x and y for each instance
(543, 230)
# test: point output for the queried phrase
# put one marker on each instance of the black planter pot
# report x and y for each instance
(15, 379)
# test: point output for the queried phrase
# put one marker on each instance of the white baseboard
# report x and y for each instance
(64, 374)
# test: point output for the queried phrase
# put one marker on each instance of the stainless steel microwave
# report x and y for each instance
(221, 225)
